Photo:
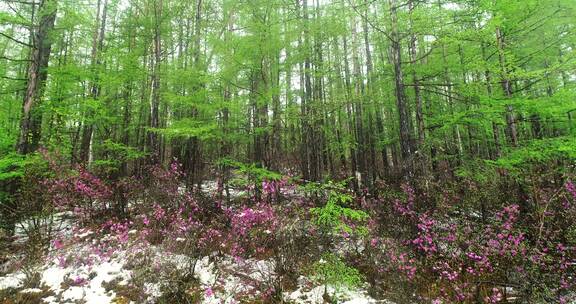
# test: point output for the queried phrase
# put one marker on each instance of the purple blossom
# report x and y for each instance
(57, 243)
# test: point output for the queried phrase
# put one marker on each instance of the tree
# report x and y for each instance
(41, 46)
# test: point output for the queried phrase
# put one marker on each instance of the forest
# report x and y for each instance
(287, 151)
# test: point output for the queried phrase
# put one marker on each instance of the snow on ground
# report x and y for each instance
(58, 223)
(73, 283)
(79, 271)
(315, 294)
(88, 279)
(211, 187)
(12, 280)
(230, 274)
(31, 290)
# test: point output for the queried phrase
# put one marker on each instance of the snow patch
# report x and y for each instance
(31, 290)
(305, 294)
(89, 290)
(13, 280)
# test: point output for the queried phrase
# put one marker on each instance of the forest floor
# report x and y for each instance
(77, 270)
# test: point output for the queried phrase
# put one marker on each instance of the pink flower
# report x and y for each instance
(571, 188)
(62, 261)
(79, 281)
(58, 244)
(495, 297)
(159, 212)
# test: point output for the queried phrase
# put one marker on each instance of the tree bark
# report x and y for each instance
(97, 46)
(402, 105)
(507, 88)
(417, 93)
(31, 119)
(153, 137)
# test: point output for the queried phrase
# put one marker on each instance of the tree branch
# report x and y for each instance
(421, 57)
(21, 2)
(13, 78)
(16, 60)
(378, 29)
(16, 40)
(12, 91)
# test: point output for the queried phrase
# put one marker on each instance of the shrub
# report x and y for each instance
(455, 257)
(332, 271)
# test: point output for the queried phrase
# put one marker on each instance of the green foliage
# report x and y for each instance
(479, 171)
(331, 270)
(15, 166)
(188, 128)
(12, 166)
(235, 78)
(121, 151)
(539, 152)
(6, 141)
(320, 189)
(117, 154)
(6, 18)
(248, 175)
(252, 171)
(19, 172)
(334, 216)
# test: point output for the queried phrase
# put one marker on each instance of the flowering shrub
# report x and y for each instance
(463, 260)
(451, 247)
(252, 230)
(78, 191)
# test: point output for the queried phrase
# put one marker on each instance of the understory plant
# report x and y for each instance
(340, 225)
(337, 216)
(331, 271)
(448, 256)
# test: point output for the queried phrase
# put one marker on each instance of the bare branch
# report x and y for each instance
(15, 60)
(22, 2)
(378, 29)
(16, 40)
(421, 57)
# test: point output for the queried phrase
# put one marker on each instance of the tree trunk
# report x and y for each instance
(507, 88)
(417, 93)
(193, 152)
(30, 122)
(496, 134)
(153, 137)
(97, 46)
(349, 108)
(402, 105)
(358, 113)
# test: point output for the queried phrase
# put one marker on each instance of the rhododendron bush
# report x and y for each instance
(447, 256)
(439, 244)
